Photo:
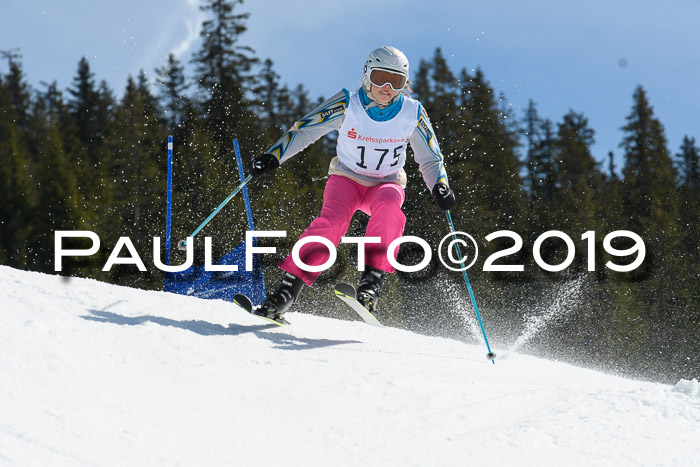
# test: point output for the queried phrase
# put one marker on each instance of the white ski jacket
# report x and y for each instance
(360, 152)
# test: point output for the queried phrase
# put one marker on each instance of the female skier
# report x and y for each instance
(375, 125)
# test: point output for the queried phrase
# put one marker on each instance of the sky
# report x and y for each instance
(583, 56)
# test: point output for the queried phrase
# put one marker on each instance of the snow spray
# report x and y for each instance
(564, 299)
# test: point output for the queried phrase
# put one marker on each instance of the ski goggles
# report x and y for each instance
(380, 77)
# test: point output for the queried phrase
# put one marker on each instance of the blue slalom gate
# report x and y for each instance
(198, 282)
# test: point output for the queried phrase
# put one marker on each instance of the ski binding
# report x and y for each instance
(346, 293)
(245, 303)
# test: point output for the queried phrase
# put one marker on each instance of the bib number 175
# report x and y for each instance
(369, 159)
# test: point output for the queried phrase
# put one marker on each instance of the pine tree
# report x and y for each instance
(266, 104)
(532, 132)
(420, 84)
(689, 165)
(16, 166)
(18, 90)
(579, 177)
(542, 178)
(227, 95)
(223, 67)
(689, 162)
(650, 194)
(173, 87)
(58, 198)
(490, 144)
(611, 205)
(136, 176)
(90, 109)
(19, 202)
(444, 94)
(651, 207)
(19, 195)
(84, 107)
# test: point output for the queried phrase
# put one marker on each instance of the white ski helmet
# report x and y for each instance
(388, 59)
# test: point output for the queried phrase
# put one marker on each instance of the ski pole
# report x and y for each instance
(182, 243)
(490, 355)
(169, 205)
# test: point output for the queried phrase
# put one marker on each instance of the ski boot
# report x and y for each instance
(370, 287)
(281, 300)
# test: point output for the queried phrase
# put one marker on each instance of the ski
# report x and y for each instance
(245, 303)
(346, 293)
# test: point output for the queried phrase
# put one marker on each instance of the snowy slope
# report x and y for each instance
(94, 374)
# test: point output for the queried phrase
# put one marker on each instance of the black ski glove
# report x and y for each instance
(443, 196)
(261, 165)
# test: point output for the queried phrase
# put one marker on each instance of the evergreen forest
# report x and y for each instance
(93, 158)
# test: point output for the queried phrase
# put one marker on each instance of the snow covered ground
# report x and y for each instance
(95, 374)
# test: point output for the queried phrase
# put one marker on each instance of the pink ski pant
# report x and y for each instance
(341, 199)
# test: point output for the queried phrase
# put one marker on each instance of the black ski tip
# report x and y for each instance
(243, 302)
(343, 288)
